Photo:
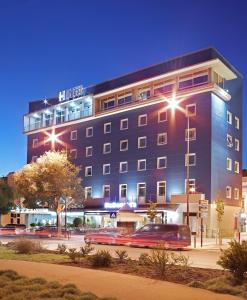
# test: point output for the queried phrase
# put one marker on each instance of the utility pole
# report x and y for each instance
(188, 171)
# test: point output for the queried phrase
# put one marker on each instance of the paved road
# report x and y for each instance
(203, 258)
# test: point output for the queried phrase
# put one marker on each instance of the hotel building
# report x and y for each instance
(134, 146)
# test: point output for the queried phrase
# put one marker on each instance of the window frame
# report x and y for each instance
(139, 142)
(187, 158)
(120, 191)
(88, 168)
(229, 117)
(105, 127)
(137, 190)
(158, 162)
(104, 169)
(236, 167)
(120, 145)
(229, 161)
(161, 134)
(104, 148)
(237, 144)
(157, 188)
(187, 134)
(229, 140)
(121, 163)
(35, 143)
(228, 196)
(73, 138)
(162, 112)
(86, 192)
(236, 122)
(236, 197)
(187, 114)
(139, 120)
(139, 161)
(87, 148)
(121, 124)
(73, 151)
(87, 131)
(103, 191)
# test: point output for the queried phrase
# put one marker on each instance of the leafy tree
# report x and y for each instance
(48, 182)
(152, 212)
(77, 222)
(220, 208)
(6, 198)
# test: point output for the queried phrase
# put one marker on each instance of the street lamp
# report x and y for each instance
(173, 104)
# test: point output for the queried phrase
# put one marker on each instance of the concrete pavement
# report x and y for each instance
(104, 283)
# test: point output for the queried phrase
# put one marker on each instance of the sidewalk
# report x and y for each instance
(208, 243)
(104, 283)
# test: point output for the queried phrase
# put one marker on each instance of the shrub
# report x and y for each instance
(159, 260)
(196, 284)
(77, 222)
(32, 224)
(61, 248)
(73, 254)
(101, 259)
(234, 259)
(122, 255)
(25, 246)
(86, 250)
(180, 260)
(144, 259)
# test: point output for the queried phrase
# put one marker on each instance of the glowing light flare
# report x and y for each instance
(53, 137)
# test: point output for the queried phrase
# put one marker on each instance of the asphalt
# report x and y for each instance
(103, 283)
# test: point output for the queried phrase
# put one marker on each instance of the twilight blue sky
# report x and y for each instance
(49, 45)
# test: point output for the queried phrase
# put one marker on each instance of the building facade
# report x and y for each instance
(132, 143)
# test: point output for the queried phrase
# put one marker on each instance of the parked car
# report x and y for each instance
(173, 236)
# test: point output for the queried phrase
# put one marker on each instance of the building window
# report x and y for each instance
(229, 164)
(89, 151)
(73, 135)
(34, 158)
(123, 145)
(236, 122)
(108, 104)
(35, 143)
(191, 110)
(106, 169)
(107, 148)
(106, 191)
(122, 191)
(190, 134)
(144, 93)
(124, 99)
(124, 124)
(88, 192)
(190, 159)
(229, 117)
(162, 88)
(236, 194)
(161, 162)
(229, 140)
(162, 116)
(141, 165)
(228, 192)
(236, 167)
(142, 120)
(107, 128)
(237, 144)
(123, 167)
(73, 153)
(192, 80)
(142, 142)
(161, 188)
(88, 171)
(191, 187)
(89, 131)
(141, 190)
(162, 138)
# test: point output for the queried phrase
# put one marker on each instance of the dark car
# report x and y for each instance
(170, 235)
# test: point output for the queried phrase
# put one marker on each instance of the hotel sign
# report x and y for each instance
(70, 94)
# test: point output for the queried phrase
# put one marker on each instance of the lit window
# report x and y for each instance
(106, 191)
(162, 88)
(162, 116)
(89, 151)
(89, 131)
(73, 153)
(229, 140)
(229, 164)
(228, 192)
(161, 189)
(190, 159)
(162, 138)
(191, 110)
(236, 144)
(107, 128)
(142, 120)
(35, 143)
(124, 124)
(236, 122)
(161, 162)
(144, 94)
(107, 148)
(88, 192)
(142, 142)
(88, 171)
(141, 190)
(190, 134)
(141, 165)
(123, 145)
(106, 169)
(236, 167)
(123, 167)
(124, 99)
(122, 191)
(73, 135)
(229, 117)
(108, 104)
(191, 187)
(236, 194)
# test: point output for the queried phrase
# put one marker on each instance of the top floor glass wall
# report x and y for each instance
(58, 114)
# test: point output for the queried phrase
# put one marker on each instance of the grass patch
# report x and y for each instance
(16, 287)
(6, 253)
